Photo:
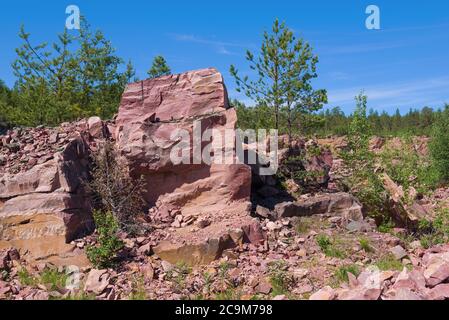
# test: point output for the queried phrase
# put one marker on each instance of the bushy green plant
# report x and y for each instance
(26, 278)
(389, 262)
(366, 245)
(114, 190)
(178, 274)
(439, 146)
(53, 279)
(436, 231)
(364, 182)
(341, 274)
(407, 168)
(104, 254)
(328, 247)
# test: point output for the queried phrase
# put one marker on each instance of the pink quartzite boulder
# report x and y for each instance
(150, 112)
(42, 203)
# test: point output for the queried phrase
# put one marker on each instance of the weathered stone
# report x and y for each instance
(264, 287)
(398, 252)
(96, 127)
(44, 208)
(151, 111)
(440, 292)
(97, 281)
(403, 294)
(263, 212)
(436, 272)
(326, 293)
(339, 204)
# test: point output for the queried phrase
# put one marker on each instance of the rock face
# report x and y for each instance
(339, 204)
(42, 205)
(150, 113)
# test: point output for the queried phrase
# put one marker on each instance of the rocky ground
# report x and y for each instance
(211, 232)
(303, 258)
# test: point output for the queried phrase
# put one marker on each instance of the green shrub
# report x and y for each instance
(178, 274)
(53, 279)
(341, 274)
(436, 232)
(104, 254)
(26, 278)
(366, 245)
(114, 190)
(363, 181)
(328, 247)
(439, 146)
(389, 262)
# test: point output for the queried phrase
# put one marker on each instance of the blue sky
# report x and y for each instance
(404, 65)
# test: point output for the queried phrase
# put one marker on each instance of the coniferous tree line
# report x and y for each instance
(335, 122)
(77, 76)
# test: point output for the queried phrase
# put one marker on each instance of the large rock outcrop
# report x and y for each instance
(42, 204)
(150, 112)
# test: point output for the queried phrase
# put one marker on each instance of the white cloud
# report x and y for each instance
(417, 93)
(220, 47)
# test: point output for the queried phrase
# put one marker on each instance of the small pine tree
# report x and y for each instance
(363, 181)
(159, 68)
(285, 69)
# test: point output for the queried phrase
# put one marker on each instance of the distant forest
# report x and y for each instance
(335, 122)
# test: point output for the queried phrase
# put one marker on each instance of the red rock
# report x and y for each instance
(339, 204)
(359, 294)
(402, 294)
(264, 287)
(43, 209)
(398, 252)
(436, 273)
(326, 293)
(96, 127)
(413, 280)
(97, 281)
(440, 292)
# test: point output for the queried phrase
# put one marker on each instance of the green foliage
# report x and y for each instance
(341, 274)
(257, 117)
(26, 278)
(104, 254)
(386, 226)
(363, 181)
(365, 244)
(439, 146)
(280, 279)
(159, 68)
(407, 168)
(414, 122)
(389, 262)
(436, 232)
(77, 76)
(328, 246)
(53, 279)
(223, 270)
(285, 67)
(178, 274)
